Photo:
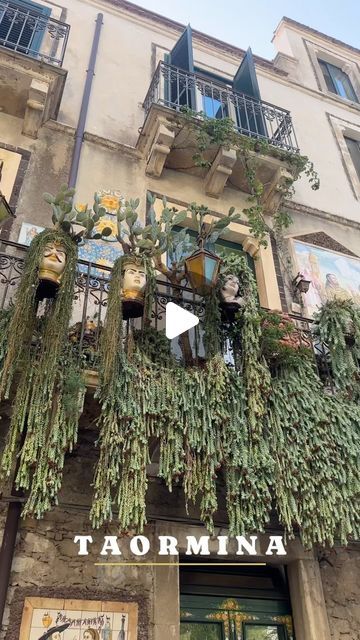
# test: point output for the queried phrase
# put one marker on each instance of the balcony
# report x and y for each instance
(90, 305)
(32, 49)
(168, 143)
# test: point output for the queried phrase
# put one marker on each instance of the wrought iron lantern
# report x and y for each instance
(202, 268)
(300, 284)
(5, 211)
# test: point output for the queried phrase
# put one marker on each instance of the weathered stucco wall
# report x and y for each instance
(340, 573)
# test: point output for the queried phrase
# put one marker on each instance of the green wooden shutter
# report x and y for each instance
(21, 33)
(181, 91)
(249, 115)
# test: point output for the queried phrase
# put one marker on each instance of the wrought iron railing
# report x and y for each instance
(90, 304)
(177, 89)
(32, 33)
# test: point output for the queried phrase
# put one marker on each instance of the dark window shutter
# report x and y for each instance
(180, 87)
(249, 115)
(21, 31)
(182, 53)
(245, 80)
(354, 150)
(327, 77)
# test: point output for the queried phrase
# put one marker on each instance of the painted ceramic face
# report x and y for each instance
(231, 287)
(54, 259)
(134, 278)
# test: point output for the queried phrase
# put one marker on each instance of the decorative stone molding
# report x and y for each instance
(35, 108)
(321, 239)
(251, 246)
(219, 172)
(274, 193)
(160, 149)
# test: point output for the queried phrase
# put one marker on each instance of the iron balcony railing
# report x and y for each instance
(32, 33)
(177, 89)
(90, 304)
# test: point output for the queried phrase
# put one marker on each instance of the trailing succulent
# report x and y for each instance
(263, 427)
(270, 433)
(337, 324)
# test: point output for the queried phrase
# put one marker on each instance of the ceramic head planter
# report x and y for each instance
(230, 299)
(133, 286)
(51, 269)
(230, 292)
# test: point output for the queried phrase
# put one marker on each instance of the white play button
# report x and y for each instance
(178, 320)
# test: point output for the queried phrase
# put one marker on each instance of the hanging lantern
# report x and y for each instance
(202, 269)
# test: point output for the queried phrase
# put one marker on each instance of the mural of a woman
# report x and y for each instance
(333, 289)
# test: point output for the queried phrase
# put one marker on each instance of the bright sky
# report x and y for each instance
(253, 22)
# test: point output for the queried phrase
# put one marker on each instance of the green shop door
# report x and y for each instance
(234, 604)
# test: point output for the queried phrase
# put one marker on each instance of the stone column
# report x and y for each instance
(307, 600)
(166, 615)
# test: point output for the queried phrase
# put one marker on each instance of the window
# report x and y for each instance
(337, 81)
(22, 26)
(354, 150)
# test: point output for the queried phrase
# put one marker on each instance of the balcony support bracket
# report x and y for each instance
(219, 172)
(35, 108)
(274, 192)
(160, 149)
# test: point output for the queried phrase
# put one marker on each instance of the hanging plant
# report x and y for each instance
(49, 379)
(315, 442)
(337, 324)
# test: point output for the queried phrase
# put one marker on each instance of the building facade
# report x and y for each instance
(93, 94)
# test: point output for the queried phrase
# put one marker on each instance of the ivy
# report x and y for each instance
(213, 132)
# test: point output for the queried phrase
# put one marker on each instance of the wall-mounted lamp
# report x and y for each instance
(5, 211)
(300, 284)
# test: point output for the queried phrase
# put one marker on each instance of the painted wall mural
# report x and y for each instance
(332, 275)
(50, 618)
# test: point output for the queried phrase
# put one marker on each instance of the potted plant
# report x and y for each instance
(142, 247)
(49, 377)
(282, 341)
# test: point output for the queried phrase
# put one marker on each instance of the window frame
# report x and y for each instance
(343, 129)
(327, 69)
(347, 65)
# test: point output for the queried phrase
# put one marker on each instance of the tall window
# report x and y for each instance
(22, 25)
(337, 81)
(354, 150)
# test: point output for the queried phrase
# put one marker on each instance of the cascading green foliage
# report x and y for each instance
(337, 324)
(248, 460)
(198, 413)
(41, 409)
(277, 441)
(315, 440)
(121, 469)
(265, 426)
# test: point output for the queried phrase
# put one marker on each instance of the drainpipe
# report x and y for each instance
(14, 510)
(79, 135)
(9, 539)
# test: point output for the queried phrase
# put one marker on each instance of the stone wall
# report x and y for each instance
(340, 573)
